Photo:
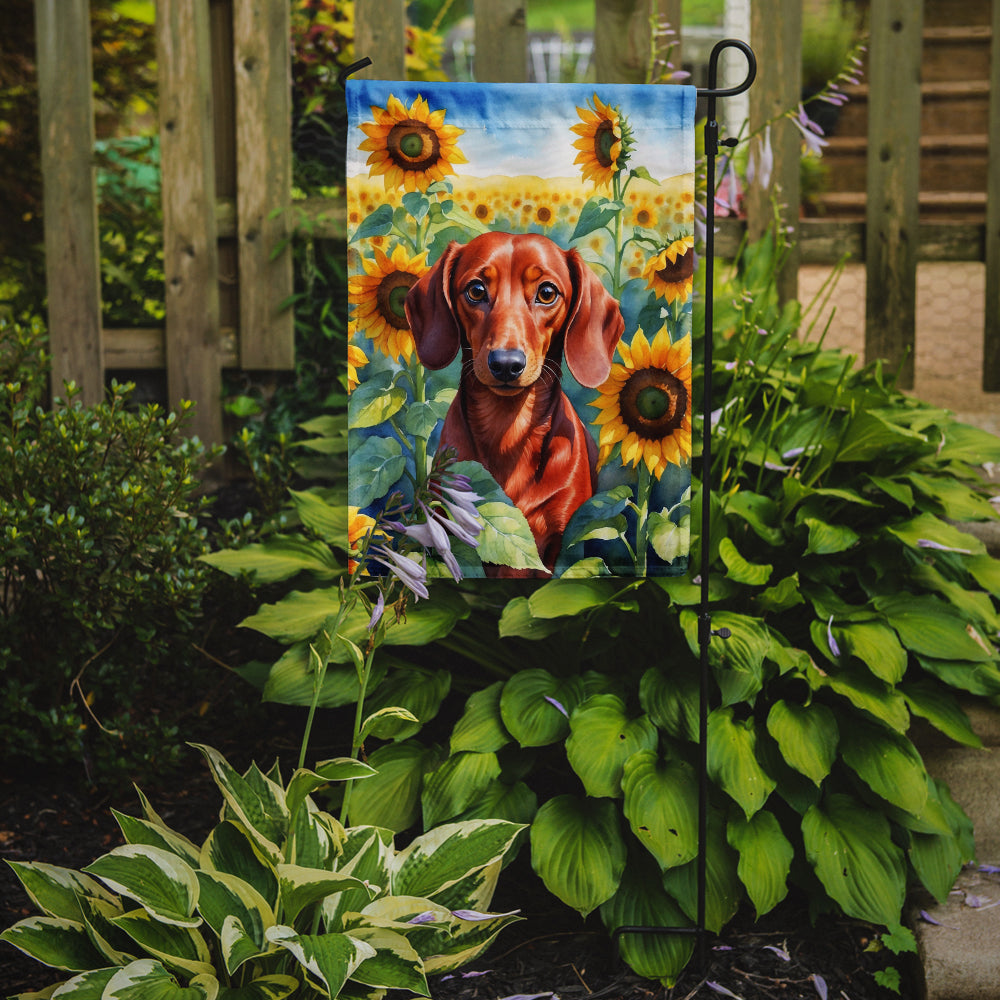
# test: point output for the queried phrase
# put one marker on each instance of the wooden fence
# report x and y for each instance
(226, 161)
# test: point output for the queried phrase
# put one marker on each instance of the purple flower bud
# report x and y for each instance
(377, 612)
(834, 648)
(558, 705)
(411, 574)
(427, 917)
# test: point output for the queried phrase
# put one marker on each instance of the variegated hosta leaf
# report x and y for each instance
(86, 986)
(225, 897)
(807, 736)
(367, 853)
(301, 887)
(765, 858)
(256, 801)
(602, 737)
(535, 706)
(54, 941)
(456, 784)
(475, 891)
(732, 760)
(275, 987)
(141, 831)
(149, 980)
(642, 902)
(230, 849)
(56, 891)
(468, 939)
(315, 838)
(516, 803)
(304, 782)
(116, 947)
(661, 805)
(158, 880)
(395, 964)
(177, 947)
(850, 847)
(441, 857)
(578, 851)
(481, 727)
(329, 959)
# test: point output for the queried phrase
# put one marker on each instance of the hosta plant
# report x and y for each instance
(279, 900)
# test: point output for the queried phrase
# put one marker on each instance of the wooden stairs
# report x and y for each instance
(955, 89)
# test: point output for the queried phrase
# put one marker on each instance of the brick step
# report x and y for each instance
(947, 162)
(935, 206)
(945, 102)
(956, 53)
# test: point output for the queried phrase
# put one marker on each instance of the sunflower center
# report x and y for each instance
(413, 145)
(391, 297)
(681, 269)
(604, 141)
(653, 403)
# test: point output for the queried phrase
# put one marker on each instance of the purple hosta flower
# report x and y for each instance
(760, 165)
(465, 975)
(411, 574)
(820, 983)
(475, 915)
(719, 988)
(558, 705)
(989, 869)
(834, 648)
(927, 543)
(377, 611)
(812, 134)
(427, 917)
(780, 952)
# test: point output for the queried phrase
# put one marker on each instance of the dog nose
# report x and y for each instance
(506, 365)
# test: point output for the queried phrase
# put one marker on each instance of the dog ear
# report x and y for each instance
(430, 314)
(594, 327)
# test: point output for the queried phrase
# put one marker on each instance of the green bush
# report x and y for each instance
(101, 584)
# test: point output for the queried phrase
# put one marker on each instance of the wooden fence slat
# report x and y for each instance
(501, 38)
(991, 331)
(892, 215)
(262, 61)
(622, 40)
(380, 34)
(72, 255)
(190, 251)
(776, 36)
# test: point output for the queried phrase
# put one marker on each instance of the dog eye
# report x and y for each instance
(547, 293)
(475, 292)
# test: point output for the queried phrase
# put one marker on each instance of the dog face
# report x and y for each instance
(517, 299)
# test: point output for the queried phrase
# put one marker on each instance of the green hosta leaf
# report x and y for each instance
(517, 620)
(438, 859)
(850, 848)
(965, 443)
(260, 809)
(279, 558)
(330, 959)
(671, 700)
(807, 736)
(765, 858)
(865, 692)
(783, 595)
(976, 678)
(54, 941)
(230, 849)
(275, 987)
(924, 528)
(937, 858)
(383, 462)
(301, 887)
(602, 738)
(732, 760)
(147, 979)
(578, 851)
(760, 512)
(738, 661)
(297, 616)
(142, 831)
(164, 885)
(506, 539)
(56, 891)
(481, 728)
(327, 520)
(957, 501)
(456, 784)
(418, 690)
(535, 706)
(391, 798)
(516, 803)
(870, 436)
(561, 598)
(180, 948)
(661, 799)
(931, 628)
(738, 569)
(828, 539)
(941, 709)
(395, 964)
(304, 782)
(986, 572)
(888, 763)
(876, 646)
(723, 889)
(641, 901)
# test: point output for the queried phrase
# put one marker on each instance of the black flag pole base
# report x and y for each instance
(705, 630)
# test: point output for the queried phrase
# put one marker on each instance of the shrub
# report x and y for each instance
(280, 899)
(101, 584)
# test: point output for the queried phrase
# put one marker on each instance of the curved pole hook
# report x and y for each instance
(713, 69)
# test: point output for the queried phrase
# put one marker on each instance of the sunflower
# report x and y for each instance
(605, 142)
(411, 147)
(670, 274)
(358, 525)
(646, 403)
(356, 358)
(379, 295)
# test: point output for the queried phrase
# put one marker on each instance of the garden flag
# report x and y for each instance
(521, 260)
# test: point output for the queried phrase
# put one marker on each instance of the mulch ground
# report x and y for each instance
(551, 953)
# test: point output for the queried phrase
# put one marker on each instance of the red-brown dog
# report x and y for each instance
(516, 305)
